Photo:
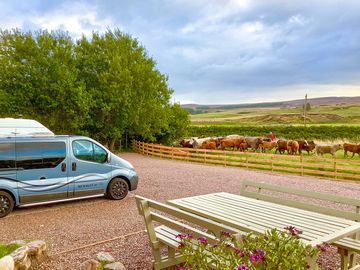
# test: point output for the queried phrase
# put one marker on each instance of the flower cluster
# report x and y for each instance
(258, 255)
(242, 267)
(247, 252)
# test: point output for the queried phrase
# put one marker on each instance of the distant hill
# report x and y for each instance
(193, 108)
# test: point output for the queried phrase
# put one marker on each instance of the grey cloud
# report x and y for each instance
(224, 47)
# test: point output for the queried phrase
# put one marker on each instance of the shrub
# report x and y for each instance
(281, 250)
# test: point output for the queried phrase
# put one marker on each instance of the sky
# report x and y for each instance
(219, 51)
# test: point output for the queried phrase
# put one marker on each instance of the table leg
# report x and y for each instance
(311, 261)
(344, 254)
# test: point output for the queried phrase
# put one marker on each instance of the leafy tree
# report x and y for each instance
(105, 86)
(39, 79)
(178, 123)
(128, 93)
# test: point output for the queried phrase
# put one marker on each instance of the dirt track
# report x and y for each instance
(70, 225)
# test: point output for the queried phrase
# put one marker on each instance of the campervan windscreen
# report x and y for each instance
(10, 127)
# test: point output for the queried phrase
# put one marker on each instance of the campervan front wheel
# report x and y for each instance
(6, 203)
(117, 189)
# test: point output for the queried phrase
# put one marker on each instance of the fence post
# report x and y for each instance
(205, 157)
(272, 163)
(302, 164)
(143, 148)
(172, 152)
(247, 161)
(335, 169)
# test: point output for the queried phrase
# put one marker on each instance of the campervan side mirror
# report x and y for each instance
(108, 157)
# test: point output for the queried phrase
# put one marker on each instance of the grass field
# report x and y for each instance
(334, 114)
(7, 249)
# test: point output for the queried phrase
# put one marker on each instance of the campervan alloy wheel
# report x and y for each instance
(6, 203)
(117, 189)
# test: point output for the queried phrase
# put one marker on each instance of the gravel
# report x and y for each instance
(71, 225)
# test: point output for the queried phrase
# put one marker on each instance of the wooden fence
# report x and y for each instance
(299, 164)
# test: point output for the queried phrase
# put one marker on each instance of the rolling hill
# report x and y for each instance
(325, 110)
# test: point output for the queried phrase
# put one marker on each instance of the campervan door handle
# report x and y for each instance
(73, 166)
(63, 167)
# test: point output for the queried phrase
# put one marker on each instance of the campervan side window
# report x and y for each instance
(89, 151)
(7, 155)
(39, 155)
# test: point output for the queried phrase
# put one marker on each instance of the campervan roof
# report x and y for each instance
(10, 127)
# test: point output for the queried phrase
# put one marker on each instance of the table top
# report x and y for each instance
(248, 214)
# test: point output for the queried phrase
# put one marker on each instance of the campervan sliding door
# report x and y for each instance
(42, 171)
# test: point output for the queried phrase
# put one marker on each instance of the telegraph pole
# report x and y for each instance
(305, 112)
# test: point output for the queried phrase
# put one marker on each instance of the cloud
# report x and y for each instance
(78, 18)
(221, 50)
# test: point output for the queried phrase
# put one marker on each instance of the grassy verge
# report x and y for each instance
(7, 249)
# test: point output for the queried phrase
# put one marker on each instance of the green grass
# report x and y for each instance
(321, 114)
(7, 249)
(349, 133)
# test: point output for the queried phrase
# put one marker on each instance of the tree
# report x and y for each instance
(39, 79)
(178, 123)
(131, 94)
(105, 86)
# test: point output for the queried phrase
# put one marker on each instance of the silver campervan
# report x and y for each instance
(37, 167)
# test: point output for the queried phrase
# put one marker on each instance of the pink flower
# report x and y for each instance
(323, 247)
(242, 267)
(182, 245)
(202, 240)
(258, 255)
(293, 231)
(181, 235)
(226, 234)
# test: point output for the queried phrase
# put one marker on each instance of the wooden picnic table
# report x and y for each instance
(248, 214)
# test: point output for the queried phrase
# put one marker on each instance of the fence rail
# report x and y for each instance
(301, 164)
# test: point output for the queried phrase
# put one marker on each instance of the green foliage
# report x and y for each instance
(274, 250)
(179, 122)
(351, 133)
(7, 249)
(105, 86)
(39, 79)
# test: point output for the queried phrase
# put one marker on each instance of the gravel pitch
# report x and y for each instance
(71, 225)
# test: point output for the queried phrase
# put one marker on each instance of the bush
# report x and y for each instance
(281, 250)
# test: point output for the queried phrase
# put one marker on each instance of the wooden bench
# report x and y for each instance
(164, 235)
(347, 247)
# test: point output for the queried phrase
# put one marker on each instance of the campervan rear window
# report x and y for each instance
(7, 156)
(39, 155)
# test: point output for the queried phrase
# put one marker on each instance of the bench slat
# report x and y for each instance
(166, 237)
(180, 227)
(258, 214)
(241, 219)
(284, 212)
